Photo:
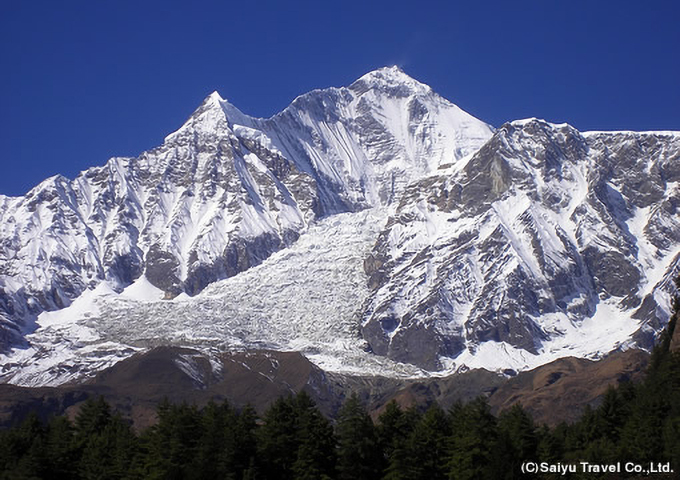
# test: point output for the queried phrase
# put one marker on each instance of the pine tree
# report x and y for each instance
(244, 435)
(671, 440)
(211, 458)
(61, 451)
(34, 463)
(394, 430)
(550, 448)
(21, 449)
(473, 445)
(277, 440)
(171, 445)
(518, 440)
(426, 449)
(92, 417)
(359, 455)
(107, 454)
(316, 450)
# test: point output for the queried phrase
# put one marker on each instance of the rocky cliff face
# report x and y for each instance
(376, 228)
(544, 231)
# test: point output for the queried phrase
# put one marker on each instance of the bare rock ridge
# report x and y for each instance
(376, 228)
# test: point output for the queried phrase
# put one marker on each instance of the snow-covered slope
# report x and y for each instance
(222, 193)
(303, 298)
(377, 228)
(365, 143)
(546, 243)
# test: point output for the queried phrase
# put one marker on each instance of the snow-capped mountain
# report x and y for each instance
(547, 242)
(376, 228)
(222, 193)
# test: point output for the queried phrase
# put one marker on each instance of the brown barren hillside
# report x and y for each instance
(558, 391)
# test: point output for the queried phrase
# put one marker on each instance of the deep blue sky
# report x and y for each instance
(81, 81)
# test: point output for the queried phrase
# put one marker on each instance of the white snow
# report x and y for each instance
(608, 329)
(142, 290)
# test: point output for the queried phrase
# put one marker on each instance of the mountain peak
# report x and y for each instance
(206, 117)
(224, 108)
(214, 100)
(214, 97)
(393, 72)
(390, 78)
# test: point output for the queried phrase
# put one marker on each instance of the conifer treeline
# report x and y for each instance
(293, 440)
